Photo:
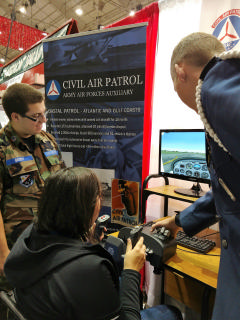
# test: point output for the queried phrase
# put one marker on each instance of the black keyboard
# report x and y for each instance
(194, 243)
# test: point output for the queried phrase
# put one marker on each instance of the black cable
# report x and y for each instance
(210, 234)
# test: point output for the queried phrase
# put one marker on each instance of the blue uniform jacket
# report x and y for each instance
(220, 97)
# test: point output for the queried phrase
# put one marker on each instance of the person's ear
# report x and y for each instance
(15, 116)
(181, 73)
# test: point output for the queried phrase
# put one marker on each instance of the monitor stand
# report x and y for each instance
(195, 191)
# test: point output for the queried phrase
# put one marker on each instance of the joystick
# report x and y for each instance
(160, 245)
(100, 225)
(135, 234)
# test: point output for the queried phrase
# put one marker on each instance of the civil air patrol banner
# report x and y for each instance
(95, 96)
(222, 19)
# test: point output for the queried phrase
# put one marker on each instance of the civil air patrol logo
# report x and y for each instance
(227, 28)
(26, 180)
(53, 90)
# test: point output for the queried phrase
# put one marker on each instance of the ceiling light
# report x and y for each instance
(132, 13)
(2, 60)
(20, 49)
(79, 11)
(44, 34)
(22, 9)
(0, 32)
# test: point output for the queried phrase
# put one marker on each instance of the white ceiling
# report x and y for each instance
(48, 15)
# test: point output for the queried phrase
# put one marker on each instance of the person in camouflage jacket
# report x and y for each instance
(28, 155)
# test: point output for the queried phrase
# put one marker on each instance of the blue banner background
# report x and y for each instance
(95, 96)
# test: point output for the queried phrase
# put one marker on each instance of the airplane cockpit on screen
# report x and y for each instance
(183, 155)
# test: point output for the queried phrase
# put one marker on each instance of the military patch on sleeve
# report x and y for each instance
(51, 153)
(26, 180)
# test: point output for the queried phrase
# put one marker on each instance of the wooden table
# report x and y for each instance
(203, 268)
(193, 277)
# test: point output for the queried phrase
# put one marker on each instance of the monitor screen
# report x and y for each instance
(182, 154)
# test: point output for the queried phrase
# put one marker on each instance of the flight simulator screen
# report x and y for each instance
(183, 154)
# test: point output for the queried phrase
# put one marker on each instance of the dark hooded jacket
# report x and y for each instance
(61, 278)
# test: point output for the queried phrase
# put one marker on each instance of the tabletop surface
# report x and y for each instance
(203, 267)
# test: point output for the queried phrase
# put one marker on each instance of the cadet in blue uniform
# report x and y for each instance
(207, 79)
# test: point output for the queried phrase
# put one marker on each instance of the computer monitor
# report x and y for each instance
(183, 155)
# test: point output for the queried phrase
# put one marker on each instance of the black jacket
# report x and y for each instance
(60, 278)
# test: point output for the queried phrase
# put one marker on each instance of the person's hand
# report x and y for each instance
(135, 257)
(168, 223)
(3, 258)
(92, 235)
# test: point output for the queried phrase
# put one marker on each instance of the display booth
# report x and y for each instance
(167, 22)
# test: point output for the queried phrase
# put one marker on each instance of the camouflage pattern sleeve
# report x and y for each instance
(2, 170)
(53, 140)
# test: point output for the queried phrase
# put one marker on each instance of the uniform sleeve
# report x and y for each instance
(52, 138)
(220, 97)
(63, 165)
(200, 215)
(2, 171)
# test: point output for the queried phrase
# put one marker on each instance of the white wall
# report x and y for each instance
(177, 18)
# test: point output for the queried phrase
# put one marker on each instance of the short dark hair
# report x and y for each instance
(68, 201)
(17, 97)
